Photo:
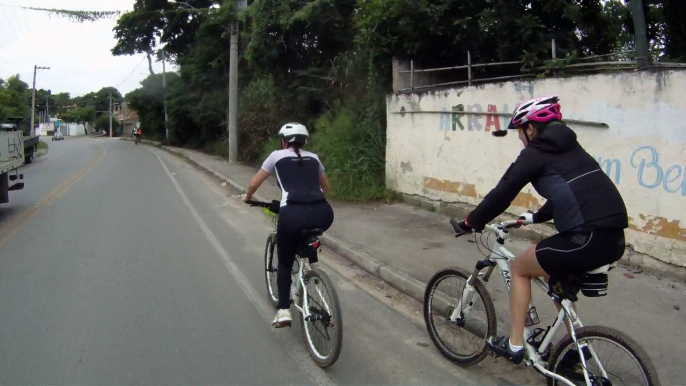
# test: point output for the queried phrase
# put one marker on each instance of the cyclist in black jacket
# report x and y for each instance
(588, 211)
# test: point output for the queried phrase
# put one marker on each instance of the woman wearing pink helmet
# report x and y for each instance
(588, 211)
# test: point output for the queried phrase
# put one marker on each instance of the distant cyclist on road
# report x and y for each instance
(588, 210)
(303, 185)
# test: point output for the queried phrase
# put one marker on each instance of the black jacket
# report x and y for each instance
(580, 196)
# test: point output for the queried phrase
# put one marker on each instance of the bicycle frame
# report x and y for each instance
(298, 278)
(501, 257)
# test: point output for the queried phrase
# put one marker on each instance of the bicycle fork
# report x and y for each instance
(464, 306)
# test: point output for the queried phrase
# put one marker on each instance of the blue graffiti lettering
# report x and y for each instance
(667, 179)
(647, 159)
(653, 164)
(444, 124)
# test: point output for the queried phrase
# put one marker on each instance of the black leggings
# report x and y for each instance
(293, 219)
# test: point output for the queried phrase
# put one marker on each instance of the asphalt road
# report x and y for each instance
(121, 264)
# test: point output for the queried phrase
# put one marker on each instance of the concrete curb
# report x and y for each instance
(393, 276)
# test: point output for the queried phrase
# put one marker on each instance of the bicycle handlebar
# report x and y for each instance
(272, 206)
(505, 225)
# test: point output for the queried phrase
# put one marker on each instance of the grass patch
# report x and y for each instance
(272, 144)
(217, 147)
(351, 142)
(42, 146)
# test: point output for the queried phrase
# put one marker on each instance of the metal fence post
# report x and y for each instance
(411, 74)
(552, 43)
(469, 67)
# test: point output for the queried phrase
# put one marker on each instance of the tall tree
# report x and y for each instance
(14, 95)
(153, 22)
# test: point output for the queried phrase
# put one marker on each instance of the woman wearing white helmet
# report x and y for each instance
(588, 210)
(303, 184)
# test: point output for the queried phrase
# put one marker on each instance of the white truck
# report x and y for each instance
(11, 158)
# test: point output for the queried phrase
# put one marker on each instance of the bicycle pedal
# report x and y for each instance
(492, 353)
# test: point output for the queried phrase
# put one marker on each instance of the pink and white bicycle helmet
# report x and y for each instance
(543, 109)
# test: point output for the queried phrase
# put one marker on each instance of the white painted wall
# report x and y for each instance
(70, 129)
(452, 157)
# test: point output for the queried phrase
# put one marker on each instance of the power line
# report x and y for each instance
(4, 61)
(6, 70)
(132, 72)
(21, 29)
(23, 13)
(17, 36)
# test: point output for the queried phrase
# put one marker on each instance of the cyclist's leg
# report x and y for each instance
(580, 252)
(319, 216)
(524, 268)
(287, 233)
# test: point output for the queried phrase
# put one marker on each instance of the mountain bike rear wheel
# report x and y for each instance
(612, 358)
(323, 331)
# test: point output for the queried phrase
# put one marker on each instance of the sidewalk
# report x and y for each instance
(405, 246)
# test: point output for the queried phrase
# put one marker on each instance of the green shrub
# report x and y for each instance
(270, 145)
(351, 142)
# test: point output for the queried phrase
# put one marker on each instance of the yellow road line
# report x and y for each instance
(20, 220)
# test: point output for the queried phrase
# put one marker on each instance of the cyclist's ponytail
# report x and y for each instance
(296, 147)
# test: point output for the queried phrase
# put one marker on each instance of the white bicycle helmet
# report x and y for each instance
(294, 133)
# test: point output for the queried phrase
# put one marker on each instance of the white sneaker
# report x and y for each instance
(282, 319)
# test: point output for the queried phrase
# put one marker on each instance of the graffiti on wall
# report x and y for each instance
(648, 170)
(456, 118)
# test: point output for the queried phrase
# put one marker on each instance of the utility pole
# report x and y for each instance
(124, 129)
(640, 34)
(110, 115)
(32, 130)
(47, 107)
(233, 92)
(233, 82)
(164, 95)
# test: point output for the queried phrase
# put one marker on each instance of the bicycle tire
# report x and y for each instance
(491, 322)
(337, 318)
(608, 334)
(270, 269)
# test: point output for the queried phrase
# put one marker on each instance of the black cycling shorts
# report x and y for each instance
(580, 252)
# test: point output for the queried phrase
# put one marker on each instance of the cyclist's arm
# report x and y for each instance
(525, 168)
(256, 181)
(324, 182)
(545, 213)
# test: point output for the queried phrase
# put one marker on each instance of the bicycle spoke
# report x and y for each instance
(452, 292)
(621, 367)
(321, 319)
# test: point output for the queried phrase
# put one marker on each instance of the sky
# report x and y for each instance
(78, 54)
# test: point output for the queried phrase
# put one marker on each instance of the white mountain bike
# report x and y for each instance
(456, 302)
(312, 293)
